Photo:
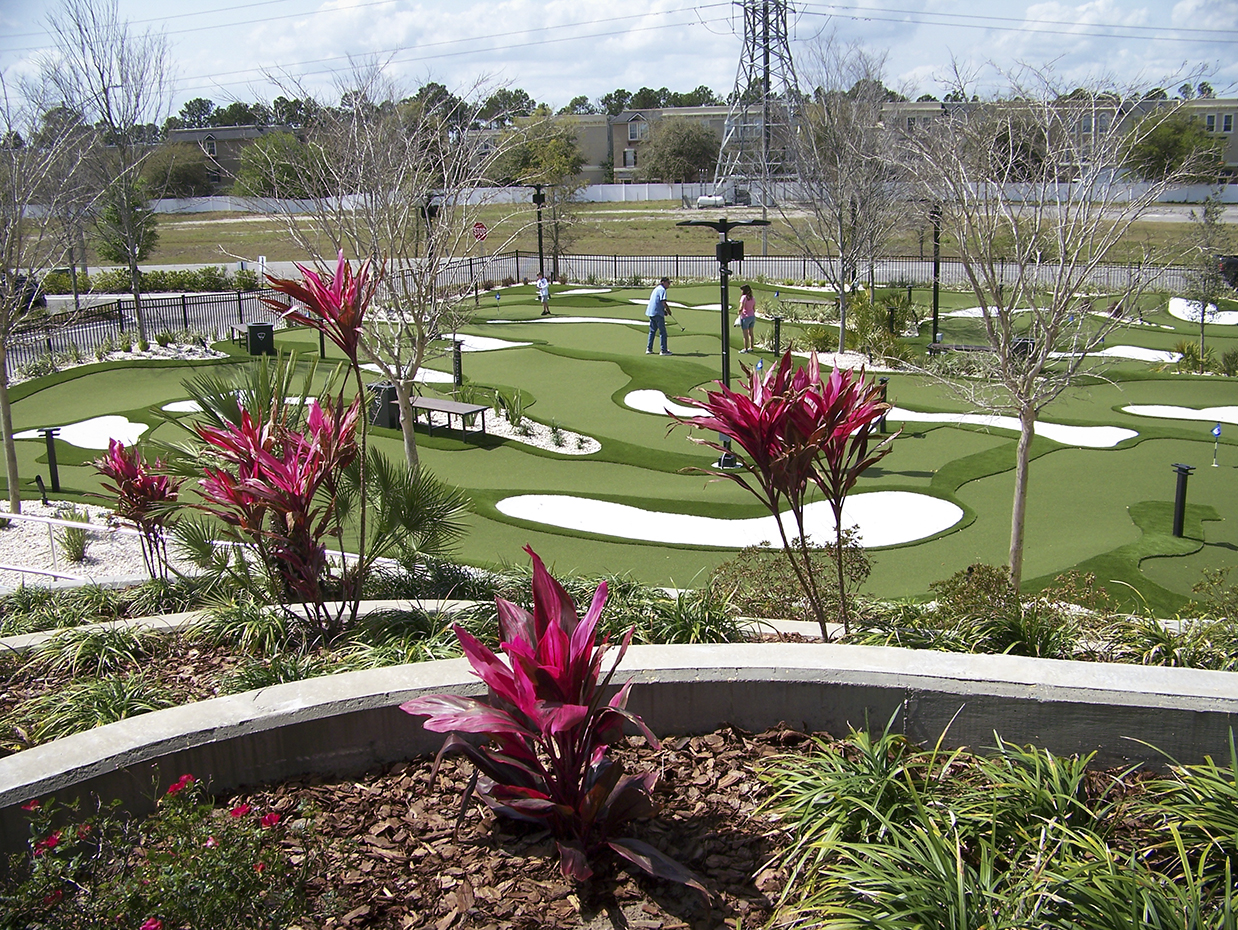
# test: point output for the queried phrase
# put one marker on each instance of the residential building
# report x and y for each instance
(222, 146)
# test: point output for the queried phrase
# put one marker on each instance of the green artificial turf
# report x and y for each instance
(1096, 509)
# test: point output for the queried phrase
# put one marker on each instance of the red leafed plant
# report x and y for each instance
(335, 304)
(144, 497)
(797, 431)
(271, 495)
(550, 731)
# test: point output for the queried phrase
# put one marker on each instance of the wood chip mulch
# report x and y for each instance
(385, 855)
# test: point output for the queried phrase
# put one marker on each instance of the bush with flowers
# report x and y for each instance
(190, 864)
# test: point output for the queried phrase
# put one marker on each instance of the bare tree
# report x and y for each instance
(391, 178)
(847, 182)
(1210, 238)
(1032, 184)
(36, 157)
(119, 80)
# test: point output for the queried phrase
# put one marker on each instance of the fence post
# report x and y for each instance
(240, 308)
(185, 311)
(120, 316)
(676, 264)
(616, 258)
(517, 274)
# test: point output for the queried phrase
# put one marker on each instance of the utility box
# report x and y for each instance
(383, 410)
(261, 338)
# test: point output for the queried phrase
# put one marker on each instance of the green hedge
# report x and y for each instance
(116, 281)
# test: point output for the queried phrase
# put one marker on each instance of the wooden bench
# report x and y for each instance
(240, 334)
(432, 405)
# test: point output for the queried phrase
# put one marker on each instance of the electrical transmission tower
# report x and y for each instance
(757, 142)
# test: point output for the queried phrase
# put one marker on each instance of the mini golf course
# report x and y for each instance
(1101, 490)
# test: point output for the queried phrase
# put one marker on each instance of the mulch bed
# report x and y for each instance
(387, 854)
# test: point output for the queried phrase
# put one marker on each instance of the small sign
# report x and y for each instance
(479, 231)
(1216, 431)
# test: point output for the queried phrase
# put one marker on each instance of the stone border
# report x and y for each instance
(349, 723)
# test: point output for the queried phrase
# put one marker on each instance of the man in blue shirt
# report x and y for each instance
(656, 311)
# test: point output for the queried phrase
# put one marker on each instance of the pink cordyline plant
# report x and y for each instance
(145, 498)
(796, 431)
(335, 304)
(280, 495)
(550, 731)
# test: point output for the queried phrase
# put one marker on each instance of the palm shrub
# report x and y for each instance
(798, 431)
(549, 731)
(73, 542)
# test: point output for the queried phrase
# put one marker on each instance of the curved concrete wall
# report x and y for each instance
(346, 724)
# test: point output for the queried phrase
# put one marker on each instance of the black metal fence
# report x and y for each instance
(214, 314)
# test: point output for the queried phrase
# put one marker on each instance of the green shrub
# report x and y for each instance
(1191, 359)
(61, 282)
(188, 864)
(212, 278)
(92, 702)
(1229, 363)
(821, 338)
(246, 280)
(110, 281)
(163, 338)
(37, 367)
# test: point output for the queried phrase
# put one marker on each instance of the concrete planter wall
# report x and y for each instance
(346, 724)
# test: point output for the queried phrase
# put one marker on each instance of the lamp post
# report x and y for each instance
(539, 199)
(727, 250)
(935, 216)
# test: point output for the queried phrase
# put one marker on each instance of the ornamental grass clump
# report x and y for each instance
(798, 431)
(550, 730)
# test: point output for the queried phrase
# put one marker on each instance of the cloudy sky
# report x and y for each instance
(558, 49)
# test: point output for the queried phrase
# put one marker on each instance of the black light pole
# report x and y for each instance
(1183, 472)
(727, 250)
(935, 216)
(538, 199)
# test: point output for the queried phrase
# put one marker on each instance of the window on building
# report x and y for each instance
(637, 130)
(1085, 124)
(1210, 122)
(629, 158)
(911, 123)
(208, 145)
(1102, 122)
(1227, 122)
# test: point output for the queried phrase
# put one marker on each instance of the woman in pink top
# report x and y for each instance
(747, 317)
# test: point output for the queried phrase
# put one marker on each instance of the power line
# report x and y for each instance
(866, 14)
(413, 55)
(1025, 24)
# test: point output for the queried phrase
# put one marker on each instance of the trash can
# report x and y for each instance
(261, 338)
(383, 410)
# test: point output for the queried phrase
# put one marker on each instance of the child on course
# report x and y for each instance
(747, 317)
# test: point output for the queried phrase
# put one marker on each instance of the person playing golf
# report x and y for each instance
(657, 311)
(747, 317)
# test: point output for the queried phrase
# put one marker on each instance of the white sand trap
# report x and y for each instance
(885, 518)
(1171, 412)
(574, 319)
(1137, 353)
(485, 343)
(1089, 437)
(1188, 310)
(582, 290)
(424, 375)
(182, 406)
(975, 313)
(709, 307)
(95, 432)
(649, 401)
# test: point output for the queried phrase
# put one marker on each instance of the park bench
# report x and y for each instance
(450, 408)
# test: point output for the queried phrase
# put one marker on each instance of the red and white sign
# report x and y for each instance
(479, 231)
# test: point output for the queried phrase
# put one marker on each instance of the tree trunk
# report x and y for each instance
(6, 424)
(135, 281)
(408, 422)
(1018, 512)
(1203, 314)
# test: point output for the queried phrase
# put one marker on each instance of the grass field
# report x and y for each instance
(1099, 508)
(641, 228)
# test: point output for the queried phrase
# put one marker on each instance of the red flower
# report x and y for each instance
(240, 810)
(83, 831)
(50, 842)
(31, 805)
(211, 842)
(270, 820)
(181, 784)
(53, 898)
(152, 923)
(260, 867)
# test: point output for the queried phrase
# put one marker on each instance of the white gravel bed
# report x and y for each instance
(541, 436)
(185, 353)
(25, 544)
